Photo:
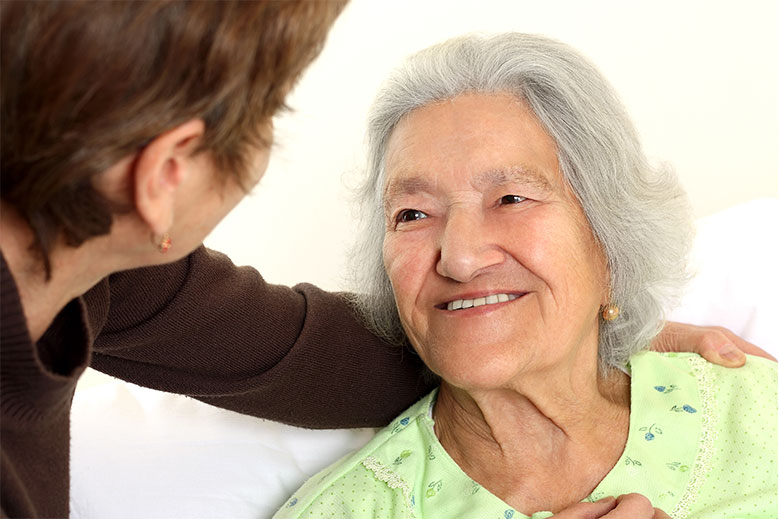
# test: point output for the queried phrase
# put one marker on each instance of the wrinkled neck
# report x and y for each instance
(568, 408)
(542, 444)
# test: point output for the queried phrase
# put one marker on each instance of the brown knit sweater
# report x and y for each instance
(201, 327)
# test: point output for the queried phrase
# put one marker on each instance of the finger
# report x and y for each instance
(720, 343)
(632, 506)
(594, 510)
(746, 346)
(715, 344)
(659, 514)
(718, 347)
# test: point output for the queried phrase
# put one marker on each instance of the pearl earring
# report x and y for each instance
(610, 312)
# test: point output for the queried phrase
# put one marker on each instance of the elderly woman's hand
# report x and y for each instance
(627, 506)
(715, 344)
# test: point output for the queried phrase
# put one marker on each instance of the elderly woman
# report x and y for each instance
(528, 251)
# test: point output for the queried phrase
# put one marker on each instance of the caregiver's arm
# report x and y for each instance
(205, 328)
(208, 329)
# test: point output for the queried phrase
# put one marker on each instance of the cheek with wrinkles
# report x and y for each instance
(566, 262)
(407, 251)
(399, 265)
(407, 266)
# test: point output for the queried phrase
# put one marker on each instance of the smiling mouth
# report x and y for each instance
(464, 304)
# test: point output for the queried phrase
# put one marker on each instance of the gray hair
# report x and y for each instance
(638, 213)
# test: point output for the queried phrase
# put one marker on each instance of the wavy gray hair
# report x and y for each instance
(639, 214)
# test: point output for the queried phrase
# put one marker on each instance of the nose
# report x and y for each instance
(467, 247)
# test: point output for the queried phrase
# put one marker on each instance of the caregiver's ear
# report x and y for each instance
(159, 170)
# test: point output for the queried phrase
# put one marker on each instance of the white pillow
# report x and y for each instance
(136, 453)
(141, 453)
(735, 258)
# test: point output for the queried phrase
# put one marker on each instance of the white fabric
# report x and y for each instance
(142, 453)
(735, 260)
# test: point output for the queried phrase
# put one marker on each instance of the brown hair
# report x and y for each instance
(86, 83)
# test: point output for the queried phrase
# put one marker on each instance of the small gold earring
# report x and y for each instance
(610, 312)
(163, 243)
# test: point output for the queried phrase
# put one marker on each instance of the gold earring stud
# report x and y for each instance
(163, 243)
(610, 312)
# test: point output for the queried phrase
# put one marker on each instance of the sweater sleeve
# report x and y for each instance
(208, 329)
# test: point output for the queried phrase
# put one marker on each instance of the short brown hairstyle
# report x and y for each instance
(85, 83)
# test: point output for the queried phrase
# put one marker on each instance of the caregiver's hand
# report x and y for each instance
(627, 506)
(713, 343)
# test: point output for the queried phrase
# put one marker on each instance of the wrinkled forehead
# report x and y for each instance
(409, 182)
(484, 139)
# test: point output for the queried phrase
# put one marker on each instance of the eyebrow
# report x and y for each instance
(410, 183)
(514, 175)
(407, 184)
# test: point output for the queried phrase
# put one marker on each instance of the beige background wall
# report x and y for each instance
(699, 78)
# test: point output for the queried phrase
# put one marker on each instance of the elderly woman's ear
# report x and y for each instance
(715, 344)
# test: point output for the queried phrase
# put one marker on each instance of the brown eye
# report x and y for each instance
(409, 215)
(511, 199)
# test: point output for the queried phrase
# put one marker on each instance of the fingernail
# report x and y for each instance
(605, 499)
(729, 352)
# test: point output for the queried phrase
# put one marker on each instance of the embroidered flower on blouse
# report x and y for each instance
(433, 488)
(401, 424)
(403, 455)
(685, 408)
(508, 514)
(666, 389)
(292, 502)
(677, 465)
(630, 461)
(651, 431)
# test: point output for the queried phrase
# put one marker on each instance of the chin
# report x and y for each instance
(479, 370)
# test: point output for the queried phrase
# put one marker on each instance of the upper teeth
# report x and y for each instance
(480, 301)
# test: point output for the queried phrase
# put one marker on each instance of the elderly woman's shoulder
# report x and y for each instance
(721, 425)
(740, 396)
(694, 364)
(757, 371)
(354, 494)
(366, 484)
(747, 392)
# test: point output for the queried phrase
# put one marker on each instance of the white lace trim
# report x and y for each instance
(391, 478)
(707, 441)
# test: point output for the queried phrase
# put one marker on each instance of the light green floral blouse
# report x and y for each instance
(702, 443)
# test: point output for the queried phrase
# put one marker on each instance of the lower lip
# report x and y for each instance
(479, 310)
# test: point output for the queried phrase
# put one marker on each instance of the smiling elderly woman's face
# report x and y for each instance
(494, 267)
